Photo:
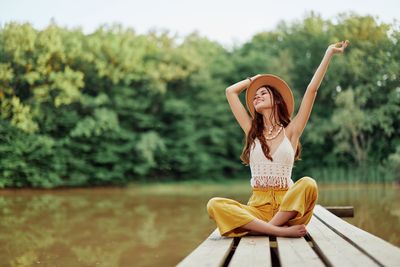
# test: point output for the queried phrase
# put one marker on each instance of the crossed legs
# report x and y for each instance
(302, 195)
(300, 198)
(276, 226)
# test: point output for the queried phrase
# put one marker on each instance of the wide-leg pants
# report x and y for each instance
(263, 204)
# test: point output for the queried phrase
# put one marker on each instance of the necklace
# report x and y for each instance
(270, 128)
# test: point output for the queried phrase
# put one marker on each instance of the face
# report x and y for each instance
(262, 99)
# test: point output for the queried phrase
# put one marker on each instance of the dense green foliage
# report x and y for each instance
(115, 106)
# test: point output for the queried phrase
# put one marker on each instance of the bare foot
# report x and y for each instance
(293, 231)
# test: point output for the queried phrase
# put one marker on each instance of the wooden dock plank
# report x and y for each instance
(336, 250)
(334, 243)
(252, 251)
(384, 252)
(297, 252)
(212, 252)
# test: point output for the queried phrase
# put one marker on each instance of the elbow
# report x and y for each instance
(228, 90)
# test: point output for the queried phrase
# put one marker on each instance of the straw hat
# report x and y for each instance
(273, 80)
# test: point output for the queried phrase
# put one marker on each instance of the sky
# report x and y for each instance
(225, 21)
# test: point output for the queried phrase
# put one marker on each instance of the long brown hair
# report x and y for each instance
(257, 127)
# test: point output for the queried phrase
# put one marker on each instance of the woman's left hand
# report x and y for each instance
(338, 47)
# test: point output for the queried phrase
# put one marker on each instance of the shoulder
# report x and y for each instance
(253, 143)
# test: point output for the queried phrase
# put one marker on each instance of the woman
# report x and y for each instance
(277, 206)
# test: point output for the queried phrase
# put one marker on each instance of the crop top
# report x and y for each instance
(272, 174)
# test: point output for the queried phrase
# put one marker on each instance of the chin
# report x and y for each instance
(260, 108)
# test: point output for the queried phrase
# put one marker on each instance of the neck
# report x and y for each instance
(268, 121)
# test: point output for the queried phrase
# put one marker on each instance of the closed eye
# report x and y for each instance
(263, 93)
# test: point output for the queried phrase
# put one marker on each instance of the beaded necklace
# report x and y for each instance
(269, 137)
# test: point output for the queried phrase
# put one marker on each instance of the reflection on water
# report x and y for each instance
(148, 226)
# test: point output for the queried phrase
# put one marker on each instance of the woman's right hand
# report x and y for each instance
(255, 76)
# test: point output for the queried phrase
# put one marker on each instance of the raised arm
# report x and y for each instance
(299, 122)
(239, 111)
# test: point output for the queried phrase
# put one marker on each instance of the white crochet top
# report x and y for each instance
(277, 173)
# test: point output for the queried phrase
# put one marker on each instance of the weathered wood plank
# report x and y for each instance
(297, 252)
(336, 250)
(341, 211)
(212, 252)
(381, 250)
(252, 251)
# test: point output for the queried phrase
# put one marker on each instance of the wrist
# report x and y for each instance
(329, 52)
(252, 78)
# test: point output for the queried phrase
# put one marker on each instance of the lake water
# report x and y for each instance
(153, 225)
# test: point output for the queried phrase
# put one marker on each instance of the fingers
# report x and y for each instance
(345, 44)
(339, 47)
(342, 43)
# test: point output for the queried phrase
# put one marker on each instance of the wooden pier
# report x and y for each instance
(330, 241)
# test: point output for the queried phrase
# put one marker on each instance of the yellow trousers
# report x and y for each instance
(263, 204)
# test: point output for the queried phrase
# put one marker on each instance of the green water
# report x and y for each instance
(155, 225)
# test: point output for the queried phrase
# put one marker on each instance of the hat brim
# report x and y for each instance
(273, 80)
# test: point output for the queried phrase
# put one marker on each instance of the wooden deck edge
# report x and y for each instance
(379, 250)
(213, 251)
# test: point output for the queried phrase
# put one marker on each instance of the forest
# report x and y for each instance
(114, 107)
